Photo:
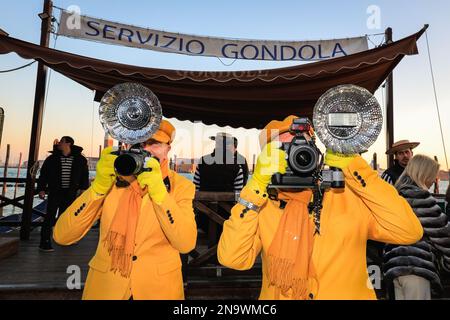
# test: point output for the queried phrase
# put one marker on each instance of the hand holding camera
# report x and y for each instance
(271, 160)
(105, 173)
(152, 179)
(338, 160)
(305, 162)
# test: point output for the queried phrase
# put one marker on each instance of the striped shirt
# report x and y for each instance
(66, 169)
(386, 177)
(238, 181)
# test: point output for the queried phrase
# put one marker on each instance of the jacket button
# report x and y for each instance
(76, 213)
(168, 211)
(356, 173)
(134, 258)
(257, 191)
(241, 215)
(359, 177)
(363, 184)
(311, 296)
(171, 221)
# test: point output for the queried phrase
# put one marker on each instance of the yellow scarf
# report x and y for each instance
(290, 253)
(120, 239)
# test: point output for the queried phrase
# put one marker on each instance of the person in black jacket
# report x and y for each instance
(403, 152)
(224, 170)
(414, 269)
(63, 175)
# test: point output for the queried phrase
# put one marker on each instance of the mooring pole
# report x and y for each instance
(389, 107)
(38, 110)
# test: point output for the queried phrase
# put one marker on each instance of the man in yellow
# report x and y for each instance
(297, 262)
(143, 227)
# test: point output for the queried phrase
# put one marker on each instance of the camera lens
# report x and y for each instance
(303, 158)
(126, 164)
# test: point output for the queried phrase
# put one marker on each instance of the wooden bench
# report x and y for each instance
(8, 246)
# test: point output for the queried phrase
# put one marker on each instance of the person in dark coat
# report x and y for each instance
(403, 152)
(415, 269)
(63, 176)
(224, 170)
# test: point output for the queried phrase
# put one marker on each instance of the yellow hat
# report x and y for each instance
(274, 128)
(165, 133)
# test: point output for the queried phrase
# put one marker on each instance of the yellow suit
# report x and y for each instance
(368, 208)
(163, 232)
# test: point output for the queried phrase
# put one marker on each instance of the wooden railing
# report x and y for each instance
(5, 201)
(216, 207)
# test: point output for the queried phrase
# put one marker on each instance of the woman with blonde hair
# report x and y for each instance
(414, 268)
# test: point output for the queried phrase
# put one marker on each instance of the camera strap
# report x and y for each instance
(315, 207)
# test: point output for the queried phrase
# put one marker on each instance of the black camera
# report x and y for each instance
(305, 162)
(131, 162)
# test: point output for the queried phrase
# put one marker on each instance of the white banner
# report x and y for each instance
(84, 27)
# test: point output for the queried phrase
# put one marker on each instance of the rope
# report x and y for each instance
(18, 68)
(436, 99)
(47, 86)
(227, 65)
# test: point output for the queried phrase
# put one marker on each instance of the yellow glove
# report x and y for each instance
(338, 160)
(153, 180)
(270, 161)
(105, 174)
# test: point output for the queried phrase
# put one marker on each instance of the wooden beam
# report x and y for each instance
(3, 33)
(209, 212)
(204, 257)
(38, 110)
(389, 107)
(215, 196)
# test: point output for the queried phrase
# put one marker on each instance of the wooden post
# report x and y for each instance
(436, 183)
(2, 120)
(175, 163)
(17, 177)
(39, 99)
(254, 163)
(375, 162)
(5, 174)
(389, 107)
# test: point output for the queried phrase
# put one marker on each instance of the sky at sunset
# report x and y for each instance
(70, 109)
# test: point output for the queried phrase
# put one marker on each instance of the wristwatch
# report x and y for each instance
(249, 205)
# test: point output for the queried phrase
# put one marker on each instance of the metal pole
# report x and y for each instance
(389, 107)
(39, 99)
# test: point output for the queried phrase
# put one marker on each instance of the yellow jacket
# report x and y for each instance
(368, 208)
(156, 272)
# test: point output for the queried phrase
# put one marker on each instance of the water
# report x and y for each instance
(12, 173)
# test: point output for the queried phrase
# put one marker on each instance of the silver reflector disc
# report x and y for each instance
(347, 119)
(130, 113)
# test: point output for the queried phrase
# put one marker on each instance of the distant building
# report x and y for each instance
(92, 163)
(183, 165)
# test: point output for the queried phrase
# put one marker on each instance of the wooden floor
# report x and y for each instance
(32, 274)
